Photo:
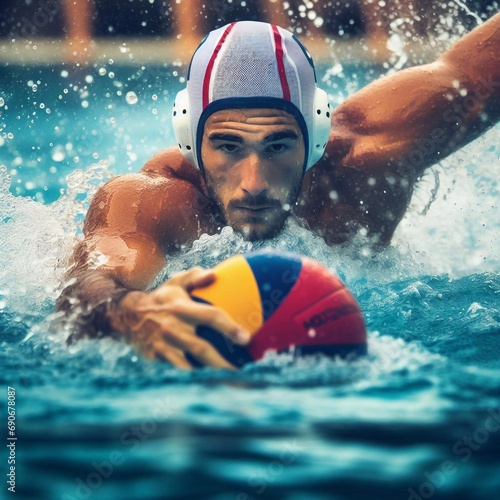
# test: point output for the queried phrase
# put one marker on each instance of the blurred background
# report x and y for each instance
(88, 26)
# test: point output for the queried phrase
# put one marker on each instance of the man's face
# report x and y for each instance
(253, 161)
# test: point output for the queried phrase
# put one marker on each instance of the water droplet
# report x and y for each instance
(131, 97)
(318, 22)
(58, 154)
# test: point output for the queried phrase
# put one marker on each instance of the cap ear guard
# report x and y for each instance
(181, 118)
(321, 124)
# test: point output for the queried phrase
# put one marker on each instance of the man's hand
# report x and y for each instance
(162, 324)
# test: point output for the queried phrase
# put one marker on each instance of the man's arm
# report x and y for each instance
(132, 221)
(445, 104)
(396, 127)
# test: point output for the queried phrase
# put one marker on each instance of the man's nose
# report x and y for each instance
(254, 180)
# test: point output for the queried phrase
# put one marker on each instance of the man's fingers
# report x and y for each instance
(171, 355)
(195, 313)
(168, 318)
(153, 346)
(172, 340)
(200, 349)
(196, 277)
(214, 317)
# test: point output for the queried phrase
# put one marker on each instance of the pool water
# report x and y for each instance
(418, 418)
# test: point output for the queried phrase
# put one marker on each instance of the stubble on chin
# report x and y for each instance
(260, 228)
(260, 231)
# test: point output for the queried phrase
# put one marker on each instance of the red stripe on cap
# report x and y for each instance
(280, 55)
(210, 66)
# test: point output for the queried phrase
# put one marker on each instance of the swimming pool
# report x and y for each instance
(420, 417)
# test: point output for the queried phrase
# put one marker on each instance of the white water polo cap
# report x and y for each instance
(250, 64)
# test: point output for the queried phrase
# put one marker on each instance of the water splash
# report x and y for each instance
(469, 12)
(459, 232)
(36, 241)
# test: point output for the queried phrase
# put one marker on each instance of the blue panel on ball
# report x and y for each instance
(275, 275)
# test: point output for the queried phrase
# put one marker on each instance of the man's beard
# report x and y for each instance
(258, 226)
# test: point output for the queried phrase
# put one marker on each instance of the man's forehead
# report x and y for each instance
(253, 116)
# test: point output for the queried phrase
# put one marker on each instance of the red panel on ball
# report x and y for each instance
(281, 331)
(336, 319)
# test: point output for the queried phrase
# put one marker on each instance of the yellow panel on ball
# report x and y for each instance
(239, 297)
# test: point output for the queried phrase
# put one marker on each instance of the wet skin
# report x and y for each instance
(381, 141)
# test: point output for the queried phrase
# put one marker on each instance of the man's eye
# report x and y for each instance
(277, 148)
(228, 148)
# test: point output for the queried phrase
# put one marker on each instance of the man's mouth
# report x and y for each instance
(254, 209)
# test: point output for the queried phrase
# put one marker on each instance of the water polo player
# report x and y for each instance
(257, 143)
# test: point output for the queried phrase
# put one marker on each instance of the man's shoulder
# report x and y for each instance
(171, 164)
(165, 172)
(164, 200)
